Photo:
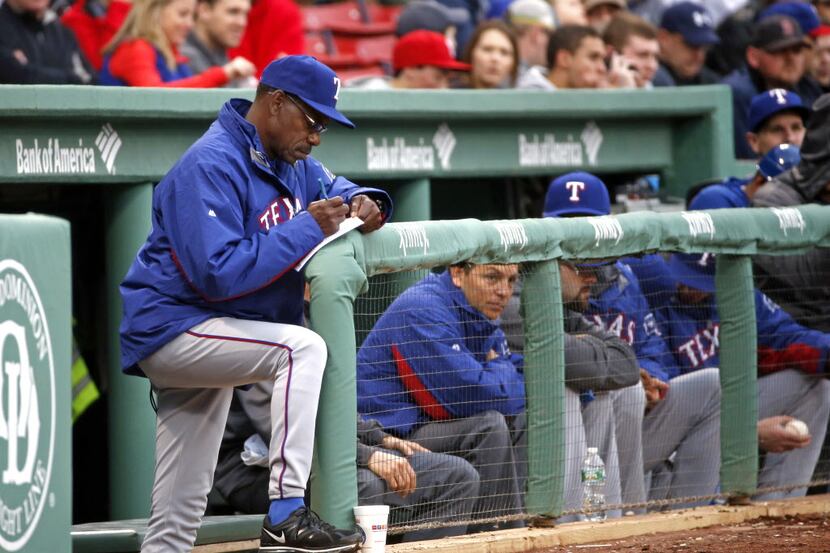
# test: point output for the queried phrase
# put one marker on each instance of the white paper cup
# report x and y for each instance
(373, 520)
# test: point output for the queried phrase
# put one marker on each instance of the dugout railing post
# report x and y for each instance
(544, 372)
(738, 375)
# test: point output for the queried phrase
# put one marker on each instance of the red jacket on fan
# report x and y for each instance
(275, 29)
(92, 29)
(138, 63)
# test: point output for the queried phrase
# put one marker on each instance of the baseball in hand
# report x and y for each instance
(797, 427)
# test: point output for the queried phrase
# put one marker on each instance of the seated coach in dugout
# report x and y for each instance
(436, 370)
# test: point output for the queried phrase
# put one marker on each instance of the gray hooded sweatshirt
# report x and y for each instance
(801, 283)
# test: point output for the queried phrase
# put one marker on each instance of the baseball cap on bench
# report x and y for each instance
(311, 81)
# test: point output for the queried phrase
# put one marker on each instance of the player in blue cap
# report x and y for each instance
(776, 58)
(212, 302)
(681, 415)
(736, 192)
(777, 118)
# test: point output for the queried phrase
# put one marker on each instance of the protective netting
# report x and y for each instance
(440, 367)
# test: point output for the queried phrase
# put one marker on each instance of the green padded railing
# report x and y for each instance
(340, 272)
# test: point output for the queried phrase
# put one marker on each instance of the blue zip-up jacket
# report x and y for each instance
(729, 193)
(622, 309)
(691, 332)
(426, 360)
(228, 226)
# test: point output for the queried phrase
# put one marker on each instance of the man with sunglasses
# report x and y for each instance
(212, 301)
(597, 364)
(675, 419)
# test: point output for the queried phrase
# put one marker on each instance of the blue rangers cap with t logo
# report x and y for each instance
(311, 81)
(771, 102)
(694, 270)
(577, 193)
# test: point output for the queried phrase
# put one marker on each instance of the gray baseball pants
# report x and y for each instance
(194, 376)
(629, 412)
(496, 446)
(447, 486)
(589, 425)
(686, 427)
(447, 490)
(804, 397)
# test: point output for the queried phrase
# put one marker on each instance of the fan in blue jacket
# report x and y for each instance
(437, 370)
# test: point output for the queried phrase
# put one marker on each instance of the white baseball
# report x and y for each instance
(797, 427)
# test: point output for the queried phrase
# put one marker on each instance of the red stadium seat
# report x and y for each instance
(317, 44)
(332, 16)
(351, 17)
(379, 13)
(347, 75)
(367, 49)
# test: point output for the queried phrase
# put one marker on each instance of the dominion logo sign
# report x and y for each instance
(27, 406)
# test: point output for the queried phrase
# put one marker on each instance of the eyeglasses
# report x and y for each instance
(313, 125)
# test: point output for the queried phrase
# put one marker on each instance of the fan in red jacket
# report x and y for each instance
(275, 29)
(94, 23)
(144, 52)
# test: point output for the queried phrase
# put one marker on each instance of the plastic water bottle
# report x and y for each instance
(593, 486)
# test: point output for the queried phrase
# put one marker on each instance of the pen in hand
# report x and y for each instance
(323, 194)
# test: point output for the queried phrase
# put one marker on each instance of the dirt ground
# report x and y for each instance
(802, 534)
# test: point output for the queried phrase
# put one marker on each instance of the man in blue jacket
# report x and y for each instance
(436, 369)
(792, 361)
(664, 418)
(776, 130)
(212, 300)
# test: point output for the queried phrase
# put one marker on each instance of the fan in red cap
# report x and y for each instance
(421, 59)
(819, 64)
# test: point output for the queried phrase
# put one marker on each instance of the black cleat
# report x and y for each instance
(303, 531)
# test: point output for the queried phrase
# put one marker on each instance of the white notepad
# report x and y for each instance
(349, 224)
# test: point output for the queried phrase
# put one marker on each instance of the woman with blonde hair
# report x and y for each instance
(145, 52)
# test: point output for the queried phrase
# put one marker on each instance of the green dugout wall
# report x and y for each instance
(35, 362)
(121, 141)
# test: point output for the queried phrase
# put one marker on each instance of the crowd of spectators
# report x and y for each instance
(750, 45)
